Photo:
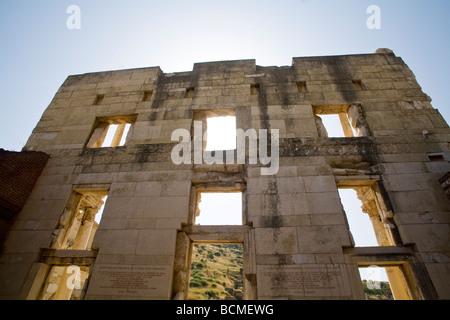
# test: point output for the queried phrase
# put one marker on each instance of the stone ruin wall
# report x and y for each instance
(295, 234)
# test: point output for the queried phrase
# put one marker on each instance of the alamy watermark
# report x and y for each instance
(374, 277)
(74, 19)
(374, 20)
(182, 152)
(74, 280)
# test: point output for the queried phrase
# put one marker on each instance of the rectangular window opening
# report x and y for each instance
(221, 133)
(358, 84)
(216, 208)
(78, 225)
(147, 95)
(99, 99)
(80, 220)
(336, 121)
(359, 222)
(110, 131)
(190, 92)
(254, 89)
(216, 272)
(301, 86)
(436, 157)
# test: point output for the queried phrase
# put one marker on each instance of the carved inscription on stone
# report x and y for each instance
(307, 280)
(134, 280)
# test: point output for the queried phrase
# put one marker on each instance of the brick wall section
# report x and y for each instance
(18, 174)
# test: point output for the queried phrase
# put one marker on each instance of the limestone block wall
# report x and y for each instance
(297, 243)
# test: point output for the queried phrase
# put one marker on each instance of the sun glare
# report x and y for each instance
(221, 133)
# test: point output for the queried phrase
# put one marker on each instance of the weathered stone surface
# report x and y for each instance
(297, 242)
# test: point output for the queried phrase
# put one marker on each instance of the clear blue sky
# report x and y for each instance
(38, 51)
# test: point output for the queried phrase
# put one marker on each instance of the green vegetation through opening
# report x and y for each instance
(216, 272)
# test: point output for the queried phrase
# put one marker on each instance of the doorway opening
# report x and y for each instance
(216, 272)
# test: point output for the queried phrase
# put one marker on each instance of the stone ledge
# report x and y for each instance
(67, 257)
(384, 255)
(219, 234)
